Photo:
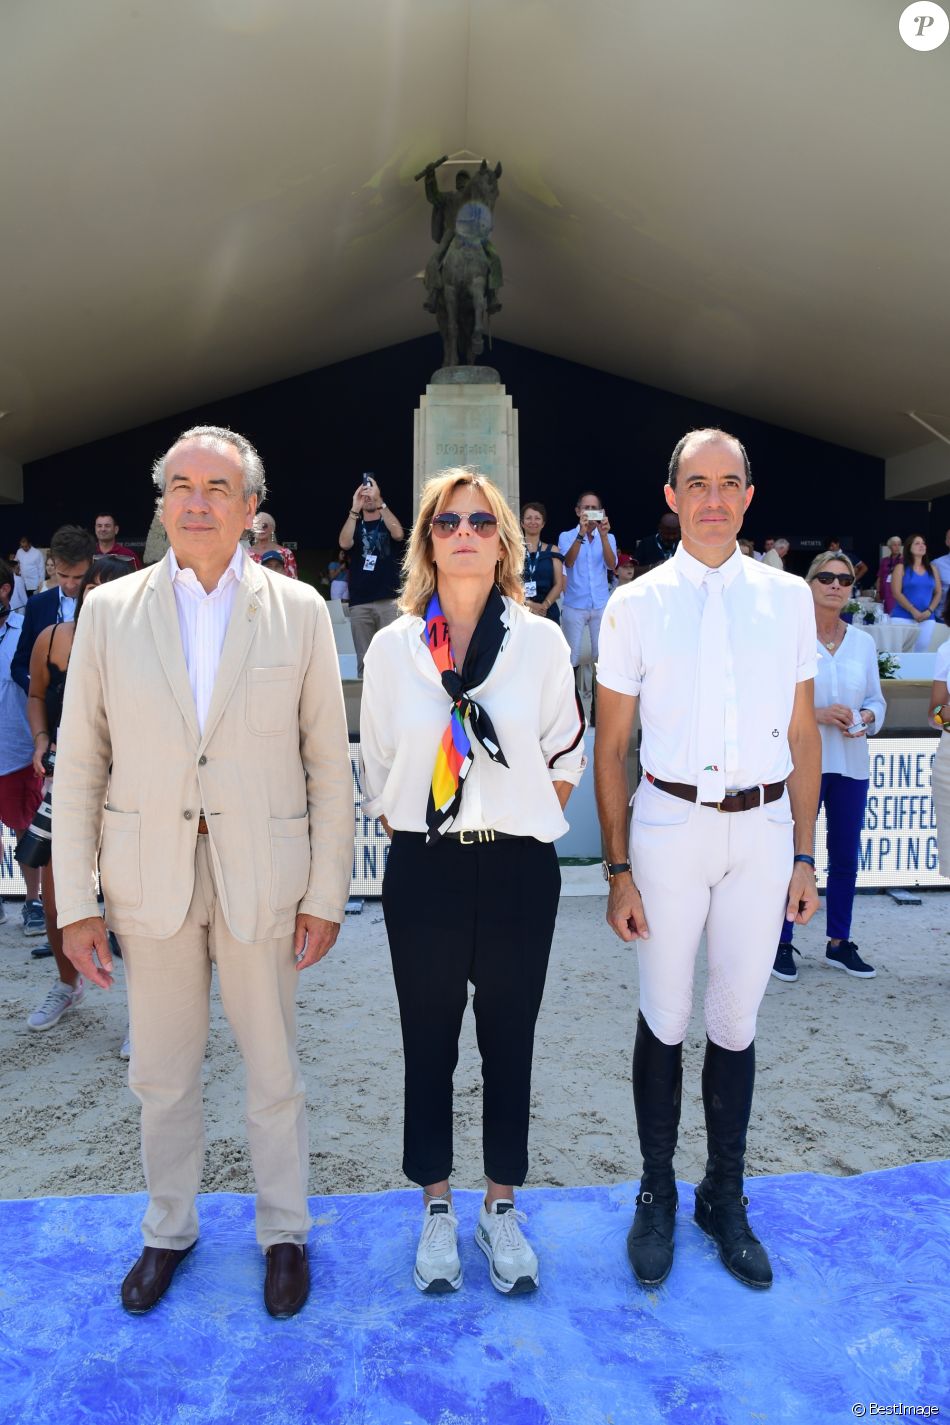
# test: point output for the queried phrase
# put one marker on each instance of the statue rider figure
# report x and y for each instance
(445, 210)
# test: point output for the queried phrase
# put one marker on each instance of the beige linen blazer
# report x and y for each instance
(271, 772)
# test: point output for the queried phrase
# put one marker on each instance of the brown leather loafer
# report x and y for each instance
(151, 1277)
(287, 1283)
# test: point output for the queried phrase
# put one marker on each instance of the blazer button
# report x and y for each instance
(189, 815)
(202, 760)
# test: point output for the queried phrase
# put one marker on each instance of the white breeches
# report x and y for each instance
(723, 872)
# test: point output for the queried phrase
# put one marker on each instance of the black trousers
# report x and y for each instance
(457, 913)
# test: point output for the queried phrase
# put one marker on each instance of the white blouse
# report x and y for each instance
(849, 676)
(529, 696)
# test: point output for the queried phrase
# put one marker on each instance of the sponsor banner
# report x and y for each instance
(371, 844)
(899, 840)
(11, 877)
(898, 843)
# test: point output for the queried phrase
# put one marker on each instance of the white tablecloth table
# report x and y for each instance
(897, 636)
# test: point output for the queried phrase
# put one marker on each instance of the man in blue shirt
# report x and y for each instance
(589, 550)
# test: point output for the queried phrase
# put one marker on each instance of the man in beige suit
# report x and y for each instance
(203, 757)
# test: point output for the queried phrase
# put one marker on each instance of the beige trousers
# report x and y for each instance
(169, 984)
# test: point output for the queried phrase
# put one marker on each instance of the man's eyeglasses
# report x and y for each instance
(826, 577)
(480, 523)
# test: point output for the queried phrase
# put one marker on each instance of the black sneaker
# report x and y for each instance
(784, 967)
(846, 957)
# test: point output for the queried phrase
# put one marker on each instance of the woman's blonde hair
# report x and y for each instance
(830, 556)
(418, 566)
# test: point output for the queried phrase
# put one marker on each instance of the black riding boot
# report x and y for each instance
(728, 1080)
(657, 1092)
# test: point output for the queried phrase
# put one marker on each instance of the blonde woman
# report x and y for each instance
(849, 708)
(471, 743)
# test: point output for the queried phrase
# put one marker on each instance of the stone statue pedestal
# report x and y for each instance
(467, 418)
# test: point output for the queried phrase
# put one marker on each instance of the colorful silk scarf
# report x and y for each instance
(454, 758)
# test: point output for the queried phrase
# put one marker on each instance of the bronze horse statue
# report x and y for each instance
(471, 272)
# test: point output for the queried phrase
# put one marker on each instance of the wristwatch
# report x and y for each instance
(614, 868)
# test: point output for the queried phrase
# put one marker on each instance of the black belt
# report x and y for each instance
(474, 838)
(735, 801)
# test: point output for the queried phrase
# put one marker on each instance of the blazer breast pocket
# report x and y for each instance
(271, 704)
(120, 862)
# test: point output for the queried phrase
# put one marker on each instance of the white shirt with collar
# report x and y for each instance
(529, 696)
(203, 619)
(32, 564)
(649, 648)
(850, 676)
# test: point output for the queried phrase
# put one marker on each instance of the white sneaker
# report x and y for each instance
(125, 1052)
(511, 1261)
(438, 1269)
(60, 999)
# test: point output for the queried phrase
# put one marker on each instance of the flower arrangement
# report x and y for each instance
(887, 665)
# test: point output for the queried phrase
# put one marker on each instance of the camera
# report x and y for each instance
(367, 478)
(36, 846)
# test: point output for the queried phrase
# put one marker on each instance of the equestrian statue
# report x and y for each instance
(463, 276)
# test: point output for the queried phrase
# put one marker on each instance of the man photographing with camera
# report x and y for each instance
(589, 550)
(371, 531)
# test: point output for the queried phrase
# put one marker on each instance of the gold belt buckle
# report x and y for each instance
(466, 838)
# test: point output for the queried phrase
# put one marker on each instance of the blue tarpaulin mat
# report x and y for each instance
(859, 1315)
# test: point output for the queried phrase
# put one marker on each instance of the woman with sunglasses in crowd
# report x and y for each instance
(471, 743)
(849, 708)
(917, 591)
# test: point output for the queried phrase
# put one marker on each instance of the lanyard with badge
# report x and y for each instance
(372, 544)
(530, 571)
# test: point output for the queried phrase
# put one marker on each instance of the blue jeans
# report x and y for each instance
(844, 800)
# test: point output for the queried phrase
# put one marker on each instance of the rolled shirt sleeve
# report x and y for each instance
(620, 658)
(807, 636)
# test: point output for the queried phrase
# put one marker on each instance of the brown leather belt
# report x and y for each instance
(735, 801)
(202, 826)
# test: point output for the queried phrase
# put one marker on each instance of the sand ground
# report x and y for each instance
(852, 1075)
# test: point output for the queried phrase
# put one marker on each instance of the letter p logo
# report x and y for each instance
(924, 25)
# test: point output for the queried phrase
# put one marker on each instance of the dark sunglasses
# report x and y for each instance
(480, 523)
(826, 577)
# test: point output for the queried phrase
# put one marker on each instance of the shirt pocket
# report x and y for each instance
(289, 861)
(120, 861)
(271, 700)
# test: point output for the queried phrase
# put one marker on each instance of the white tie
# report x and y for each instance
(713, 651)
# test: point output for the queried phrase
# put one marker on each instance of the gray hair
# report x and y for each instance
(783, 542)
(252, 467)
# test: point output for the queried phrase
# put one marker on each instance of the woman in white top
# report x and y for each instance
(940, 718)
(849, 708)
(471, 742)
